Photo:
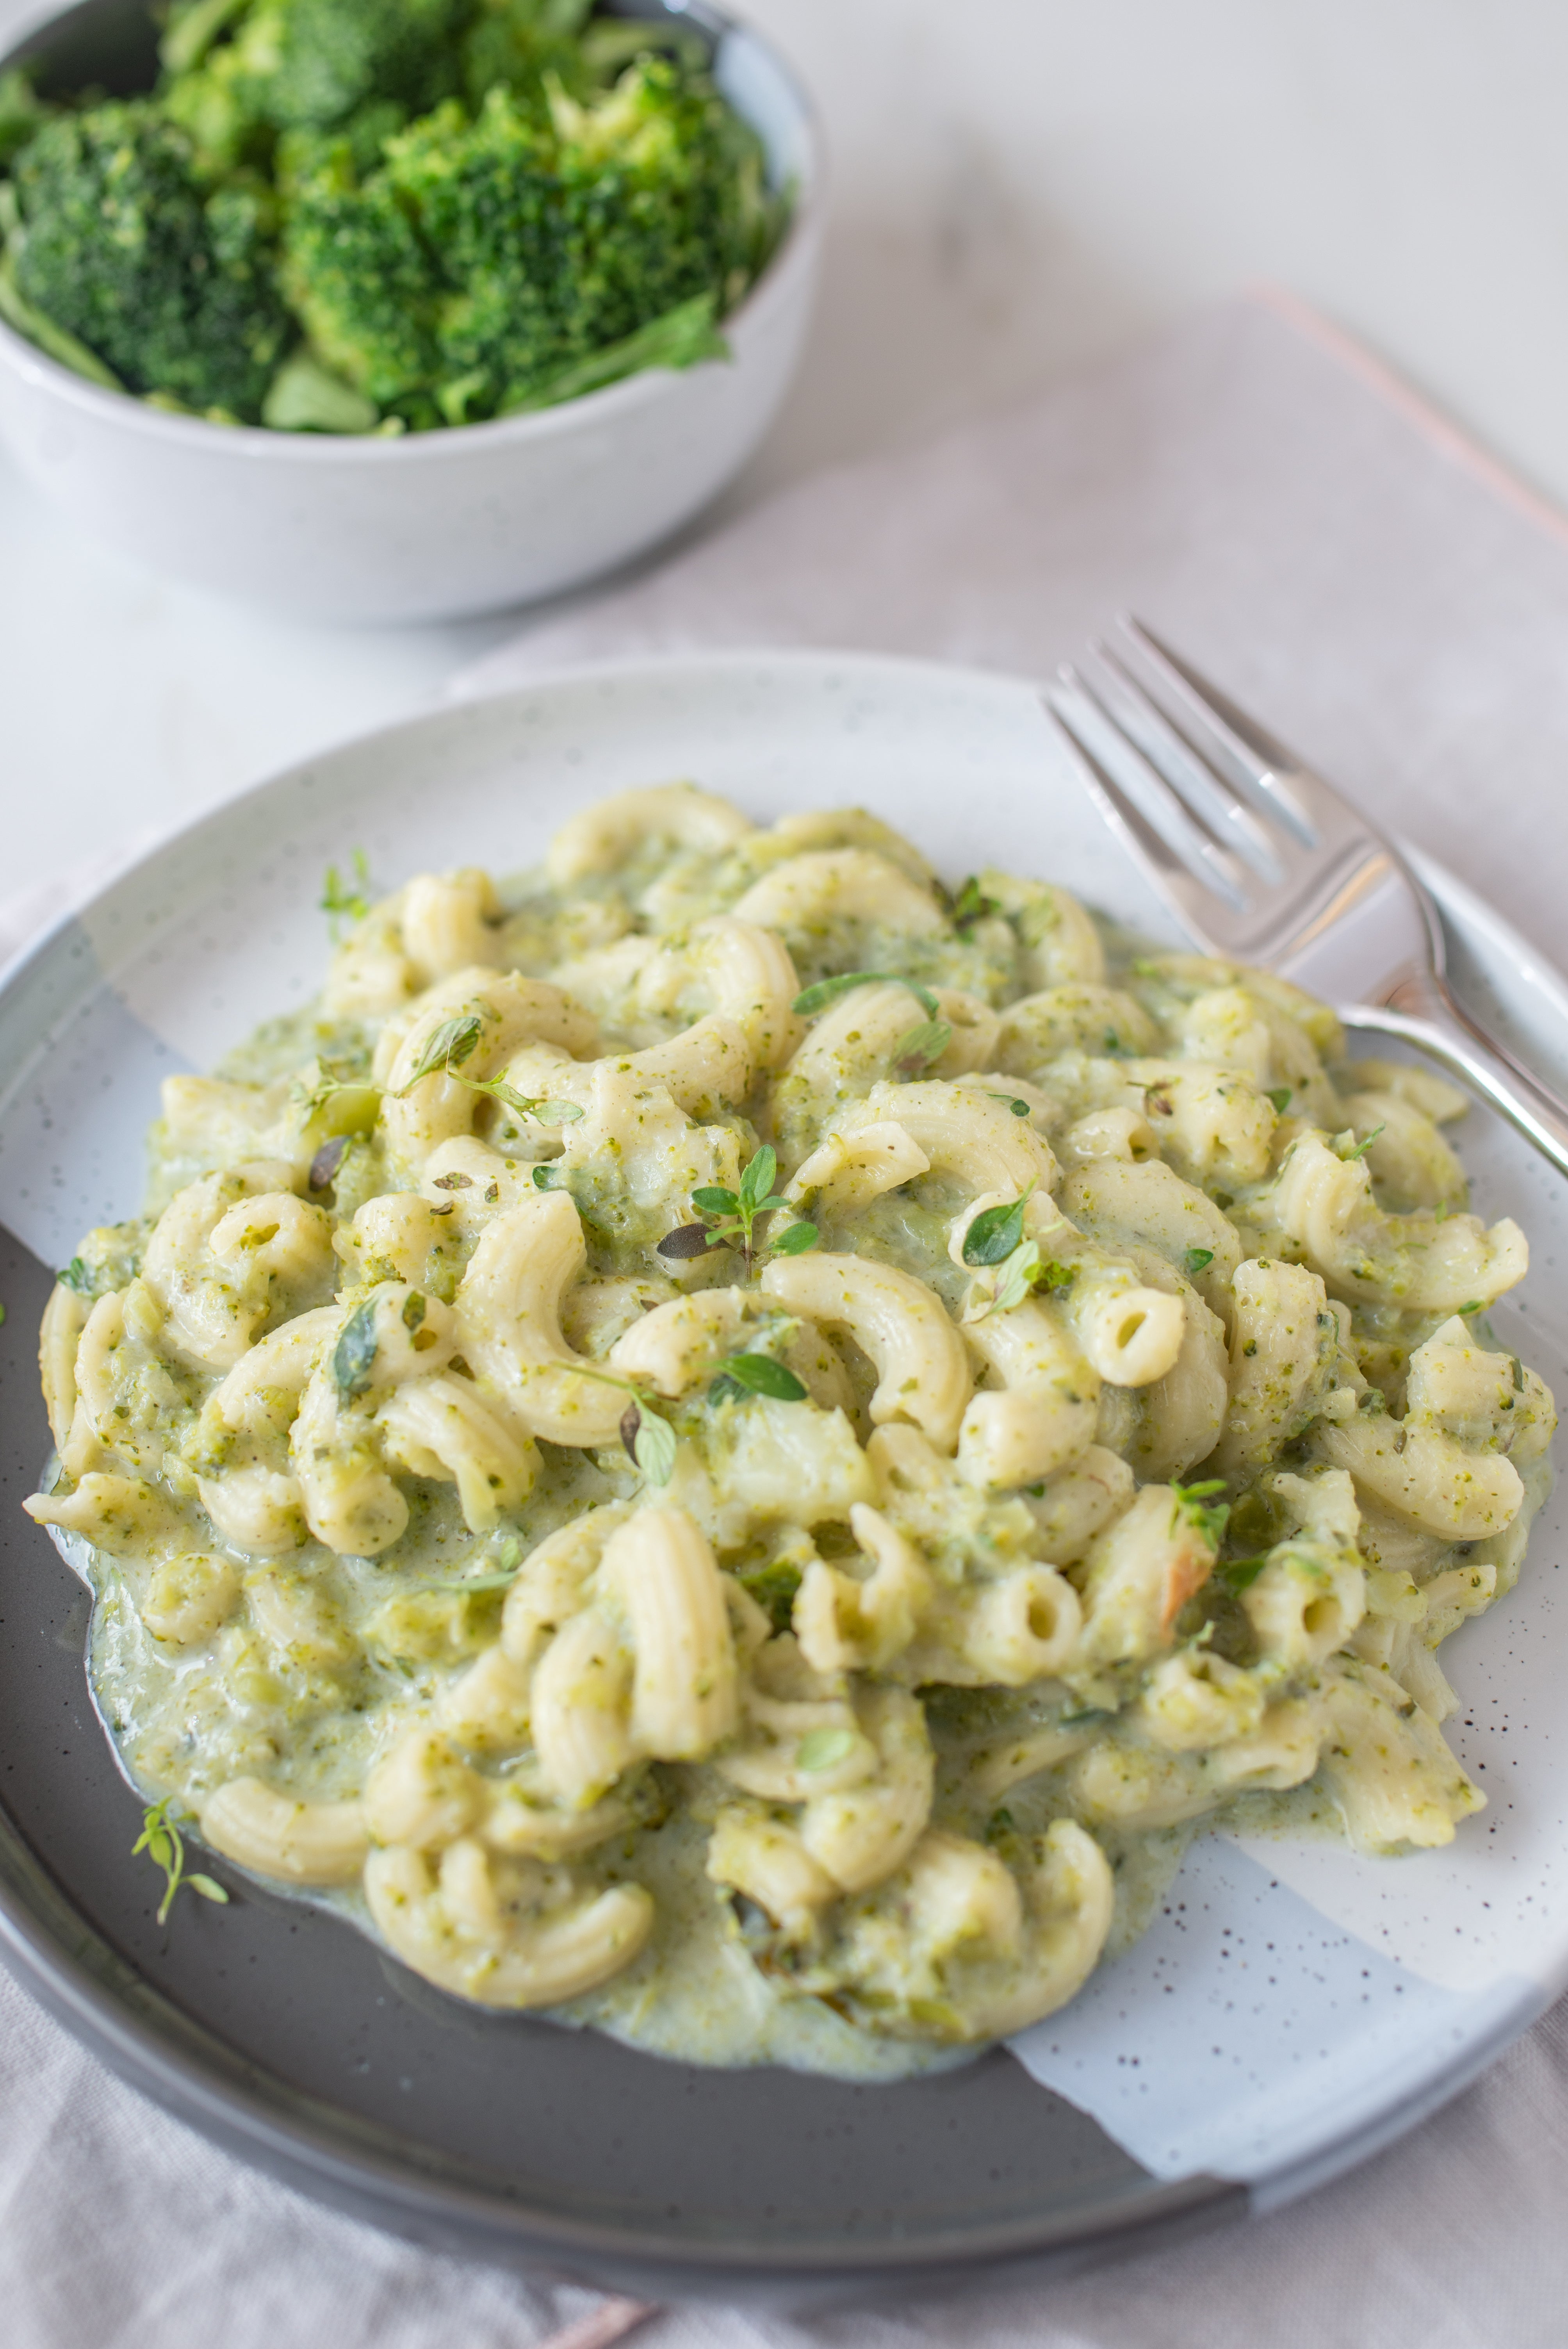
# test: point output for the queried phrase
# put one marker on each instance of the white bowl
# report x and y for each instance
(441, 523)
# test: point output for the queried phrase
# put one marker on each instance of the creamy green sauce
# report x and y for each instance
(1197, 1692)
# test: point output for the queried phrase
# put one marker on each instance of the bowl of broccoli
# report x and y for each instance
(387, 310)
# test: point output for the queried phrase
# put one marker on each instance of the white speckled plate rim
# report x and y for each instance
(1293, 2006)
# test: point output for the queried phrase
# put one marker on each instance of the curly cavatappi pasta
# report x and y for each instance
(727, 1441)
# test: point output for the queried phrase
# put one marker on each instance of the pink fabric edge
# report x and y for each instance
(1413, 405)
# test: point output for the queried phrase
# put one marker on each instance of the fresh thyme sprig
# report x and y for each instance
(330, 1080)
(454, 1042)
(341, 903)
(915, 1052)
(813, 999)
(647, 1439)
(995, 1239)
(733, 1219)
(1017, 1275)
(163, 1842)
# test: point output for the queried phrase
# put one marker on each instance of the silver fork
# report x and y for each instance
(1262, 862)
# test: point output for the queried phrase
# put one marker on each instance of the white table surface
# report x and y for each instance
(1021, 184)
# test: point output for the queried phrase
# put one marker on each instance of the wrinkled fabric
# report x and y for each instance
(1253, 487)
(1310, 534)
(121, 2229)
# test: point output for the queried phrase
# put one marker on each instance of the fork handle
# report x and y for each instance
(1529, 1108)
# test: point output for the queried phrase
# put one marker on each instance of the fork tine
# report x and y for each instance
(1183, 864)
(1251, 759)
(1129, 709)
(1196, 837)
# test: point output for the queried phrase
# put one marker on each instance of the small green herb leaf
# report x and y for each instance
(325, 1166)
(454, 1041)
(1010, 1101)
(353, 1356)
(1281, 1096)
(75, 1276)
(824, 1749)
(1197, 1260)
(995, 1232)
(687, 1239)
(1195, 1503)
(208, 1889)
(650, 1441)
(1015, 1278)
(548, 1112)
(972, 905)
(916, 1052)
(796, 1240)
(1346, 1146)
(757, 1182)
(760, 1374)
(714, 1200)
(655, 1450)
(827, 990)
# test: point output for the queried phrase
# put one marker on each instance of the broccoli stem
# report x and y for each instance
(52, 340)
(683, 337)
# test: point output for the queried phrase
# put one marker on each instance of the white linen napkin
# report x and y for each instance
(1400, 609)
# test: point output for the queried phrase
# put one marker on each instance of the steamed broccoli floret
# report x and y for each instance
(663, 187)
(308, 65)
(470, 206)
(170, 286)
(22, 113)
(358, 273)
(488, 258)
(514, 44)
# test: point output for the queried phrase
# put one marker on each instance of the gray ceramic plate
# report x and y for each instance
(293, 2041)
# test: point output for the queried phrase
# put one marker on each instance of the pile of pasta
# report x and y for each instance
(1160, 1501)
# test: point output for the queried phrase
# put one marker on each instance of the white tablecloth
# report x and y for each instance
(1401, 612)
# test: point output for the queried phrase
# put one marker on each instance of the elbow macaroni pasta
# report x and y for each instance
(766, 1650)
